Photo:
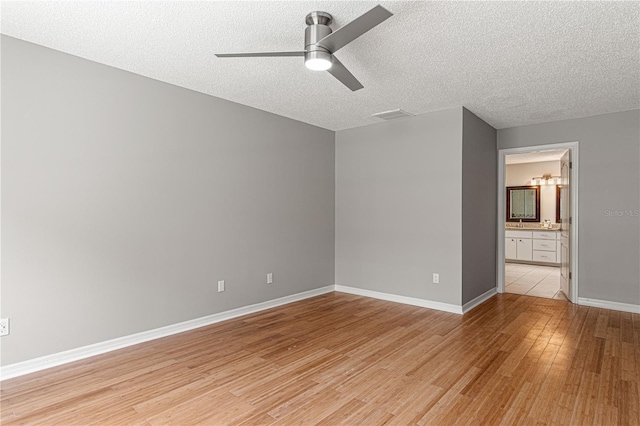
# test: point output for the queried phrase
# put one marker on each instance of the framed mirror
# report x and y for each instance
(523, 203)
(558, 190)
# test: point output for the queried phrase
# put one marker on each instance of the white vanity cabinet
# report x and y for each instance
(518, 245)
(545, 246)
(510, 248)
(531, 245)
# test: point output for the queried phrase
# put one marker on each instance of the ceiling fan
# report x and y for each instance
(320, 43)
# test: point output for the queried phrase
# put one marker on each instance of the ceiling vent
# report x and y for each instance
(392, 115)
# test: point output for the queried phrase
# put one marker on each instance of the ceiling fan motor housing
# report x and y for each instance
(317, 29)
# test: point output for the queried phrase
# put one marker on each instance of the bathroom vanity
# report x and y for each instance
(539, 246)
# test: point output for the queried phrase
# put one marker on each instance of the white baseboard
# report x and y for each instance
(447, 307)
(478, 300)
(53, 360)
(616, 306)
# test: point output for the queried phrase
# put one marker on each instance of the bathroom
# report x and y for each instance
(533, 228)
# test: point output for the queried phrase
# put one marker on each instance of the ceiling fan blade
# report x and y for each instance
(340, 72)
(354, 29)
(259, 54)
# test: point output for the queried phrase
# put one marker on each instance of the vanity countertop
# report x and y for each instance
(531, 228)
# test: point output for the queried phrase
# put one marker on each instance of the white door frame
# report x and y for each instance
(502, 220)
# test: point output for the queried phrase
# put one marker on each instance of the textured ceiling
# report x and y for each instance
(511, 63)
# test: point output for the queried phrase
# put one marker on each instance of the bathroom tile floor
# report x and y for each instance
(533, 280)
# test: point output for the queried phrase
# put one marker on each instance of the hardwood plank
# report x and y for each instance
(342, 414)
(345, 359)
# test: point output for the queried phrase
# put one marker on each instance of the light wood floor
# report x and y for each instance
(344, 359)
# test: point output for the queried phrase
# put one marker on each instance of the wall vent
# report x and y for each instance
(392, 115)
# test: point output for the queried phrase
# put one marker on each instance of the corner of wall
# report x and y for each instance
(479, 198)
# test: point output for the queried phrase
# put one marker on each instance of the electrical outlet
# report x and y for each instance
(436, 278)
(270, 278)
(220, 286)
(4, 326)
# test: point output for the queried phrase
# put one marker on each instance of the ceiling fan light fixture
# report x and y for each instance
(321, 42)
(318, 60)
(318, 64)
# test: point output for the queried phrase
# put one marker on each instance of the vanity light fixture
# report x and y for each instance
(546, 180)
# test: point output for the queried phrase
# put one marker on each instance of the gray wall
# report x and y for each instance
(398, 206)
(125, 199)
(479, 199)
(609, 244)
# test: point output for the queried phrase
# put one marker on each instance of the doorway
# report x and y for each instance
(542, 249)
